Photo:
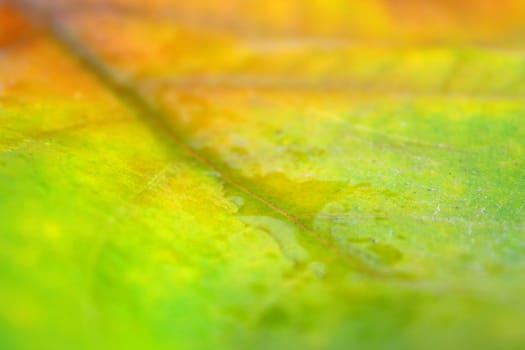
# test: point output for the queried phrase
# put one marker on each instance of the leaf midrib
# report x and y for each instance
(158, 121)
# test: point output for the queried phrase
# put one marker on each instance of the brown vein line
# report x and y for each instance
(60, 131)
(348, 86)
(158, 121)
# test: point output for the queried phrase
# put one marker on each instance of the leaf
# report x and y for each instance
(227, 174)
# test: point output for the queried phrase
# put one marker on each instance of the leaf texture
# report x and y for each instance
(231, 174)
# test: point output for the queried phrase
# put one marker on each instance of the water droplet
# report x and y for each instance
(283, 233)
(388, 254)
(306, 196)
(237, 200)
(318, 268)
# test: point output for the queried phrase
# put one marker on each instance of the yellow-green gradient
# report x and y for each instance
(262, 174)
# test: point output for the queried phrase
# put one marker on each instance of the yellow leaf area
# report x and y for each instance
(262, 174)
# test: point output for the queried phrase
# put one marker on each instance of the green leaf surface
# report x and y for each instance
(250, 175)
